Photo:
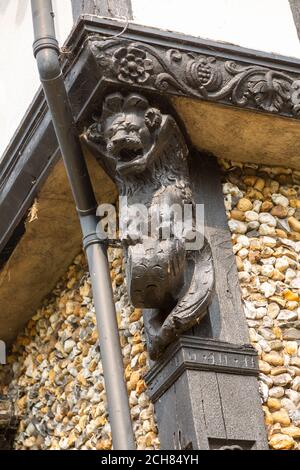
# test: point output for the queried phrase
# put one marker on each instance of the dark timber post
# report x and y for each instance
(205, 386)
(107, 8)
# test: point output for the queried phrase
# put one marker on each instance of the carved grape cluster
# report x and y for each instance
(199, 76)
(202, 74)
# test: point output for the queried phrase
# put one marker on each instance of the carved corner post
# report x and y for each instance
(205, 386)
(203, 375)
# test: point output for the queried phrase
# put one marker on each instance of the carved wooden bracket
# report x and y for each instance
(190, 74)
(145, 153)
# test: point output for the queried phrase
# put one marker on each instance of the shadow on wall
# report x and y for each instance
(20, 11)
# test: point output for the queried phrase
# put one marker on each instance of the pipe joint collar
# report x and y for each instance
(91, 211)
(46, 42)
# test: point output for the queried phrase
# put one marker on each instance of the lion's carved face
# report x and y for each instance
(126, 132)
(127, 139)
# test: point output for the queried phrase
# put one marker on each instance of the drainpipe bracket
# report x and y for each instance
(93, 239)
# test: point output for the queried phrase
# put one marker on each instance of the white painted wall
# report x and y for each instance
(19, 79)
(265, 25)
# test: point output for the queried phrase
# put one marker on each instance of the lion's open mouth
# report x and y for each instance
(127, 155)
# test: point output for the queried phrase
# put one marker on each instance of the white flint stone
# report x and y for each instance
(282, 379)
(256, 269)
(280, 200)
(243, 240)
(267, 289)
(271, 260)
(267, 270)
(236, 248)
(247, 266)
(257, 205)
(290, 275)
(266, 334)
(268, 322)
(261, 312)
(228, 202)
(243, 253)
(287, 404)
(287, 315)
(264, 391)
(273, 310)
(266, 379)
(253, 335)
(253, 225)
(282, 263)
(293, 395)
(266, 218)
(250, 310)
(260, 303)
(295, 417)
(237, 226)
(264, 345)
(296, 384)
(266, 229)
(295, 283)
(251, 216)
(269, 241)
(276, 392)
(229, 188)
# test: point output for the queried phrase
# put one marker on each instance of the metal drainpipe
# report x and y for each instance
(46, 51)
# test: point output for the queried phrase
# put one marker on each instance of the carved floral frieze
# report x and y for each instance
(198, 76)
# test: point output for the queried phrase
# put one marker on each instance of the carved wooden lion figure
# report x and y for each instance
(145, 153)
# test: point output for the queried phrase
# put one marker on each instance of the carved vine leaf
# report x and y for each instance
(198, 75)
(270, 94)
(296, 98)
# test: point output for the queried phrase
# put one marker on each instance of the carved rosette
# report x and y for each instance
(197, 75)
(133, 65)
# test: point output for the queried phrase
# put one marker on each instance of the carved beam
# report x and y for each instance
(199, 75)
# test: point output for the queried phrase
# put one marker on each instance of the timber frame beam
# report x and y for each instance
(180, 65)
